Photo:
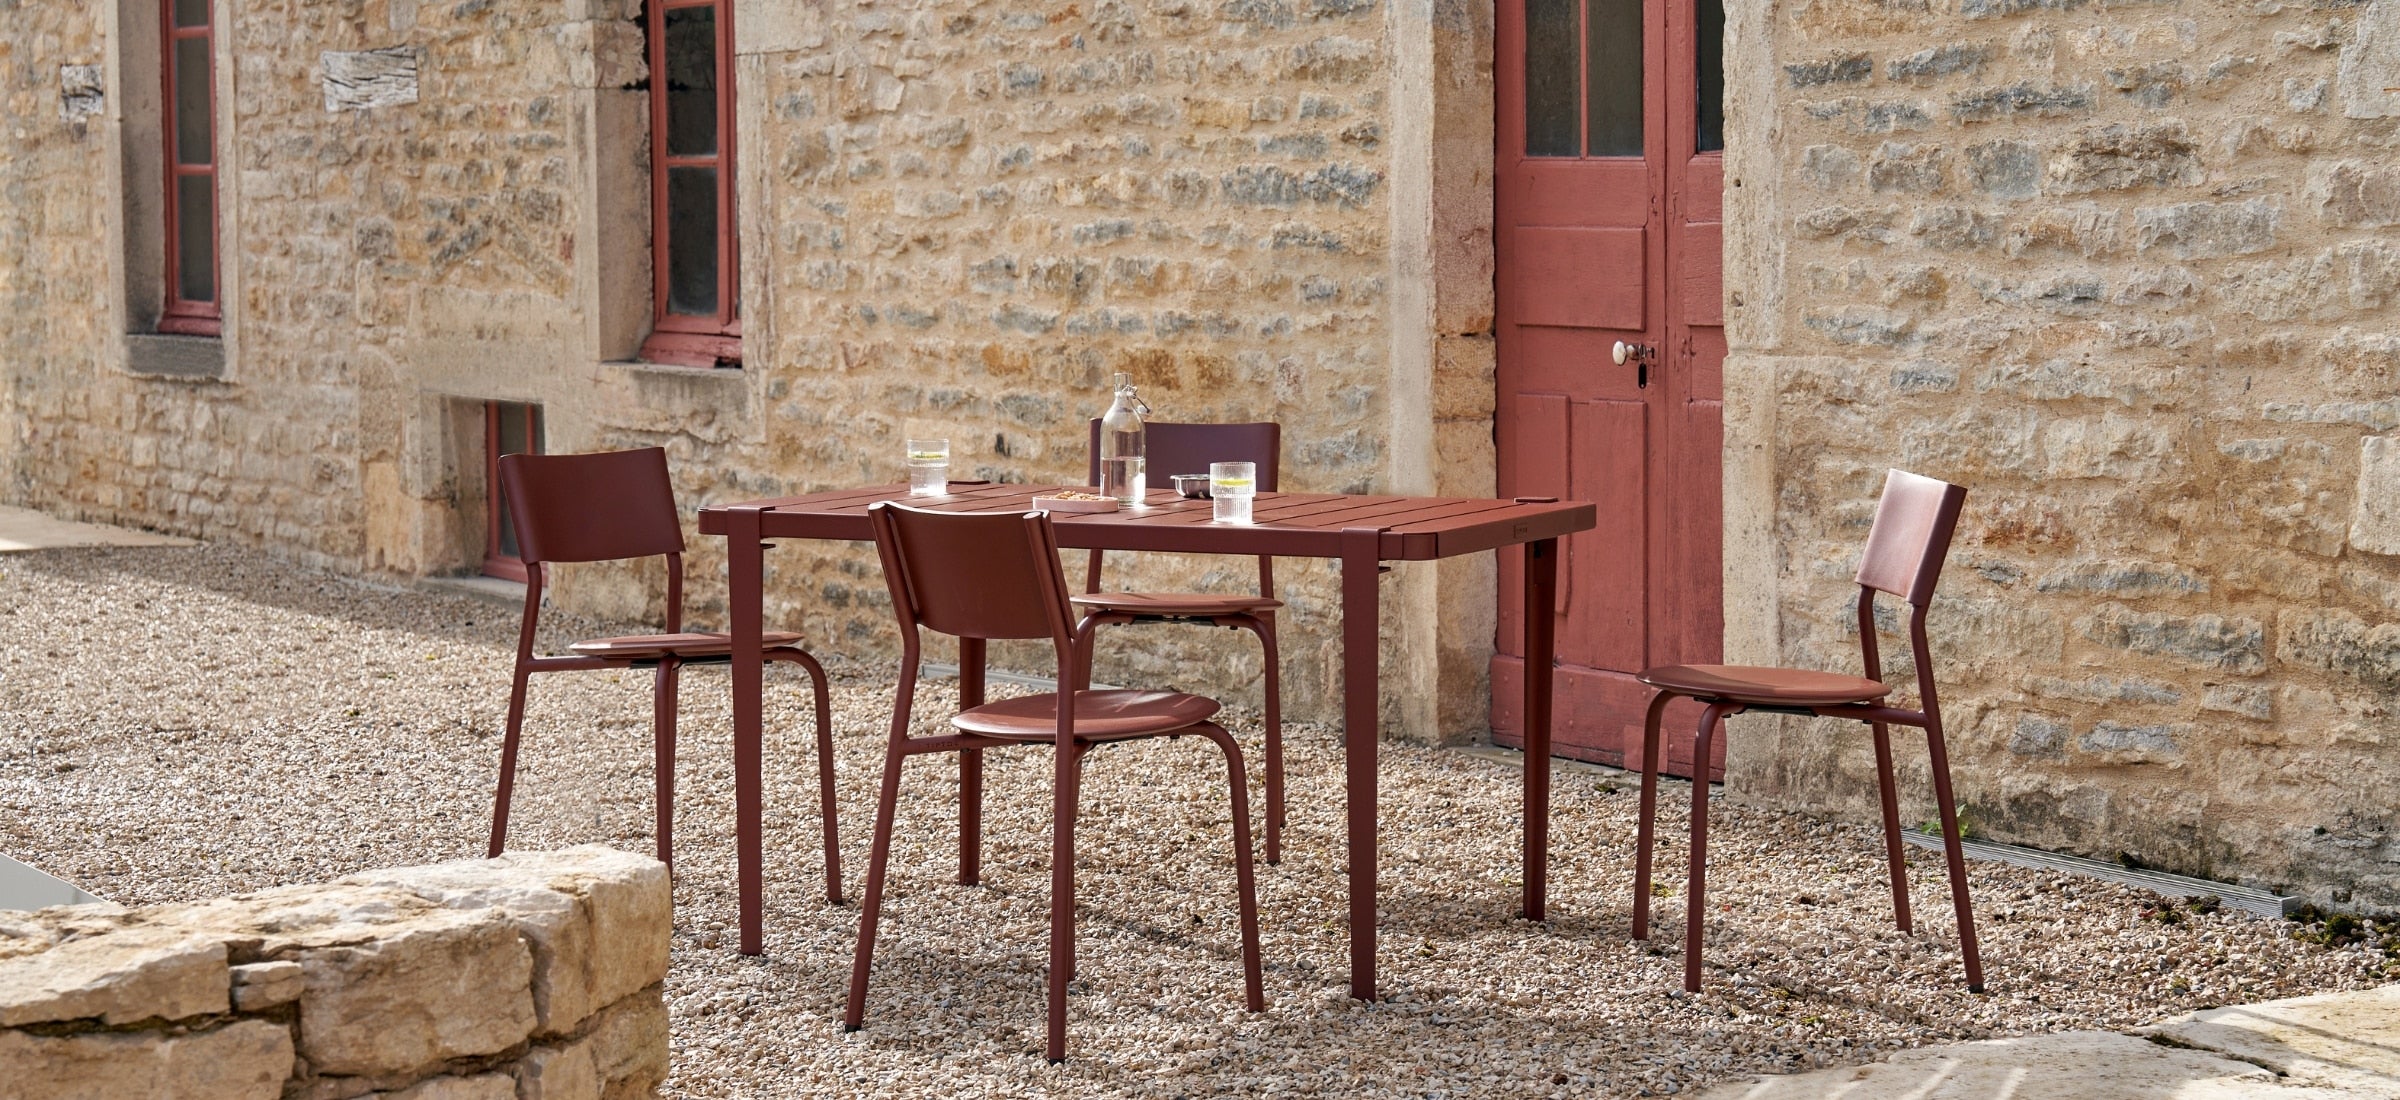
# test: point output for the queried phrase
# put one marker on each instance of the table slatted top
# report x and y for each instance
(1298, 525)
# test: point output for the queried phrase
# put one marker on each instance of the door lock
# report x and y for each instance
(1642, 356)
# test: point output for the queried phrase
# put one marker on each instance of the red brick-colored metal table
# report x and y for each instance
(1361, 532)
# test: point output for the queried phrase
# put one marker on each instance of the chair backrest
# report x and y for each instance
(1911, 536)
(1171, 449)
(593, 507)
(973, 574)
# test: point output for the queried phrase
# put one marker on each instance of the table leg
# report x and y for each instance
(1362, 562)
(970, 767)
(745, 566)
(1541, 623)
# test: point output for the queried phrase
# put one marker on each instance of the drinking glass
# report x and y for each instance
(1231, 485)
(928, 467)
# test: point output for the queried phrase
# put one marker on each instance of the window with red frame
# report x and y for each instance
(694, 250)
(191, 208)
(508, 428)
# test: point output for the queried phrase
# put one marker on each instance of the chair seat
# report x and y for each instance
(1174, 605)
(1789, 687)
(1099, 715)
(651, 647)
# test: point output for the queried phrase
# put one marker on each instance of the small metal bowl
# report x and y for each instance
(1191, 486)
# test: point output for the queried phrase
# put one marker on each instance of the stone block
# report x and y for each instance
(629, 1046)
(419, 995)
(2348, 1040)
(2369, 72)
(120, 976)
(2357, 194)
(1927, 65)
(2075, 1065)
(1850, 68)
(2375, 512)
(2339, 641)
(483, 1086)
(261, 986)
(1903, 167)
(2119, 743)
(2004, 169)
(558, 1073)
(244, 1060)
(2205, 230)
(2021, 99)
(2119, 157)
(2200, 641)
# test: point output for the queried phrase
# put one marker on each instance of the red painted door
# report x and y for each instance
(1607, 208)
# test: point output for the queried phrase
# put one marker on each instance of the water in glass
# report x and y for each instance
(928, 467)
(1231, 485)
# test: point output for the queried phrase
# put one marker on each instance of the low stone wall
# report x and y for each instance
(535, 976)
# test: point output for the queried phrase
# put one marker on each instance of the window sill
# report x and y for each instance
(667, 388)
(188, 358)
(694, 350)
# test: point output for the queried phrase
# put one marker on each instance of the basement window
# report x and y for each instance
(508, 428)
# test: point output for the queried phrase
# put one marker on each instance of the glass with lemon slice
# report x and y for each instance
(1231, 485)
(928, 467)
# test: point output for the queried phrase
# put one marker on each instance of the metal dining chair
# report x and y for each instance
(608, 507)
(1189, 449)
(1904, 555)
(981, 575)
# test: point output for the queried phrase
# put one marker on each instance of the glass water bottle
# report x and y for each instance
(1122, 445)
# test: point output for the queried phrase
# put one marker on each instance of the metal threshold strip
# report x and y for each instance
(2244, 898)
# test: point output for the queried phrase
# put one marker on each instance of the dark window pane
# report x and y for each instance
(1550, 78)
(517, 429)
(191, 101)
(1613, 76)
(1710, 43)
(691, 49)
(196, 238)
(191, 13)
(692, 241)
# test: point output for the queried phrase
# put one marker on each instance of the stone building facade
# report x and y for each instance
(2127, 269)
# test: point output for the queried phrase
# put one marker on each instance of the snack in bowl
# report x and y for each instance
(1072, 500)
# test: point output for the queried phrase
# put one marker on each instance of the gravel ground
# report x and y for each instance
(176, 724)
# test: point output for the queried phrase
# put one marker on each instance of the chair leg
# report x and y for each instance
(1062, 898)
(854, 1011)
(1642, 831)
(1696, 906)
(508, 761)
(1891, 824)
(1264, 627)
(826, 803)
(1253, 986)
(1956, 855)
(662, 739)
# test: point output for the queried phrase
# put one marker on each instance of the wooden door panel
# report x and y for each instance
(1560, 191)
(1570, 361)
(1590, 277)
(1700, 277)
(1610, 564)
(1543, 450)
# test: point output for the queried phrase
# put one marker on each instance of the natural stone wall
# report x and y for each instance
(957, 218)
(2128, 271)
(535, 976)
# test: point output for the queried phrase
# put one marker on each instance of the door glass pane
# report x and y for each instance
(692, 241)
(191, 101)
(1613, 74)
(1709, 66)
(691, 49)
(196, 238)
(1550, 78)
(191, 13)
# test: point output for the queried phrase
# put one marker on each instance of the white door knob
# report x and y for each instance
(1620, 352)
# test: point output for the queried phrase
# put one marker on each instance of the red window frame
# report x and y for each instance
(498, 560)
(678, 338)
(182, 315)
